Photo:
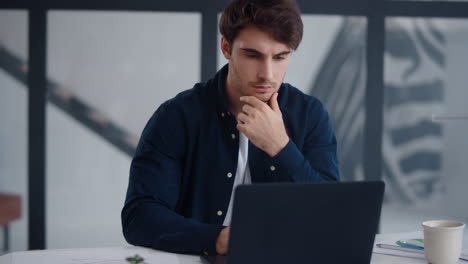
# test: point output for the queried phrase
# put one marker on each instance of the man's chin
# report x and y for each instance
(265, 97)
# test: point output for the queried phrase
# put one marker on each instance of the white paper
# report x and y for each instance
(390, 239)
(93, 256)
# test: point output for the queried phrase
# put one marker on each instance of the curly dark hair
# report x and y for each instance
(280, 18)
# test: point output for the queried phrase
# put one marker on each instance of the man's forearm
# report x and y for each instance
(150, 224)
(292, 165)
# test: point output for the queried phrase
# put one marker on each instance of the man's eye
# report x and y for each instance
(279, 58)
(252, 55)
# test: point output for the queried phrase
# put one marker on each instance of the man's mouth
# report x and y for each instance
(262, 88)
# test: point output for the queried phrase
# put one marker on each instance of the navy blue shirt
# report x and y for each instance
(179, 174)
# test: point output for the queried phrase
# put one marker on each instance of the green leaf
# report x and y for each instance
(135, 259)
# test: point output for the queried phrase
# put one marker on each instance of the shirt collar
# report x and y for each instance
(220, 82)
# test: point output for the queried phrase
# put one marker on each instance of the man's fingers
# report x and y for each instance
(242, 118)
(247, 109)
(274, 102)
(253, 101)
(241, 127)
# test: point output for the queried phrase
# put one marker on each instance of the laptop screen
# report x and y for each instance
(331, 222)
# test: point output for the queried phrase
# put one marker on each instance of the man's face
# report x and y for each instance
(257, 64)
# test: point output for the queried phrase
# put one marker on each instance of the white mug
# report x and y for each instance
(443, 241)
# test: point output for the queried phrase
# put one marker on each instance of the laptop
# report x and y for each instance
(276, 223)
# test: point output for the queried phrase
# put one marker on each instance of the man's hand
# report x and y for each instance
(222, 241)
(263, 124)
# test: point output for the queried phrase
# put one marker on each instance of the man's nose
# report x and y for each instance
(266, 71)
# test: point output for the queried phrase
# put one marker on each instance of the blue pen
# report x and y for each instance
(410, 244)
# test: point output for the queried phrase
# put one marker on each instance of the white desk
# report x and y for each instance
(117, 256)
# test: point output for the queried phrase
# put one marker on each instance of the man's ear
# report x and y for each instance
(225, 48)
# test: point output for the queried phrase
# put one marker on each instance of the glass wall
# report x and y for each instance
(108, 72)
(14, 120)
(425, 121)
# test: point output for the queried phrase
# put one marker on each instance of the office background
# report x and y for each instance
(98, 71)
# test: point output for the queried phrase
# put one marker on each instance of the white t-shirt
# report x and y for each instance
(242, 173)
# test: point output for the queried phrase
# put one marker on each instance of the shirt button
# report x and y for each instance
(222, 114)
(233, 136)
(272, 168)
(229, 175)
(219, 213)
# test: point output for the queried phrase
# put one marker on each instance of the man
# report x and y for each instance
(242, 126)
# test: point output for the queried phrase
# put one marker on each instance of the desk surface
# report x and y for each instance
(117, 255)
